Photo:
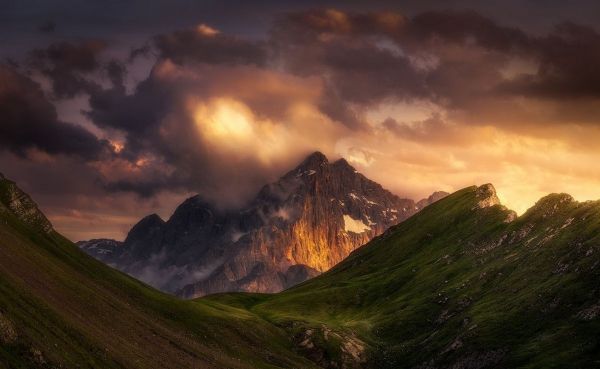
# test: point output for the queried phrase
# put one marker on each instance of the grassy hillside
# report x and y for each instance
(463, 284)
(456, 286)
(59, 308)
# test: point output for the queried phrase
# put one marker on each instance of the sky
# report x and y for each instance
(112, 110)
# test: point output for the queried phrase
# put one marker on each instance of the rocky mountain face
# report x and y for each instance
(296, 228)
(17, 203)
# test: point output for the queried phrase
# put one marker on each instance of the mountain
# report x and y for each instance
(462, 284)
(295, 228)
(60, 308)
(102, 249)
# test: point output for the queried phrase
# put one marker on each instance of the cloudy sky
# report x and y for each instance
(111, 110)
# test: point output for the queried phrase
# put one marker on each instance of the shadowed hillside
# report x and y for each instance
(59, 308)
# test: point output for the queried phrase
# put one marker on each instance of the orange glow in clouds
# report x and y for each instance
(230, 127)
(225, 119)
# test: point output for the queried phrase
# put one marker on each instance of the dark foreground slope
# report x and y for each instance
(463, 284)
(59, 308)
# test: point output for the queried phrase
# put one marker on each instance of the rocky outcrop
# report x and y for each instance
(297, 227)
(486, 196)
(551, 204)
(331, 349)
(17, 203)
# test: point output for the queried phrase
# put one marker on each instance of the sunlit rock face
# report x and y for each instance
(487, 197)
(486, 194)
(302, 225)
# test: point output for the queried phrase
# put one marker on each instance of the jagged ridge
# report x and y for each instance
(310, 219)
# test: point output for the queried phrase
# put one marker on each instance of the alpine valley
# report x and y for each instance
(342, 184)
(294, 229)
(464, 283)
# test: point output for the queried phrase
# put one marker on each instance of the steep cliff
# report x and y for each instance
(297, 227)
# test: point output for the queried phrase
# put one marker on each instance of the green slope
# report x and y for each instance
(460, 285)
(59, 308)
(456, 286)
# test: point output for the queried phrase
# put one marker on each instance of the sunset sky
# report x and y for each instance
(112, 110)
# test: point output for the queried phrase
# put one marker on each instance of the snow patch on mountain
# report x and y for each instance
(354, 225)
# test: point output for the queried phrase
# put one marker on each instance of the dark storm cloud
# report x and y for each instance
(160, 132)
(68, 65)
(568, 65)
(361, 59)
(455, 59)
(357, 58)
(464, 27)
(116, 72)
(144, 51)
(81, 57)
(367, 58)
(204, 44)
(356, 68)
(134, 113)
(417, 32)
(29, 121)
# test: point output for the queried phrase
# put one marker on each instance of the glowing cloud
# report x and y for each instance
(225, 120)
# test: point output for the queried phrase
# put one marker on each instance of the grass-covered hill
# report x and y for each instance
(463, 284)
(60, 308)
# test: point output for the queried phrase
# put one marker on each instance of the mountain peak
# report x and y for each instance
(343, 163)
(314, 216)
(144, 226)
(152, 219)
(551, 204)
(557, 198)
(486, 196)
(314, 161)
